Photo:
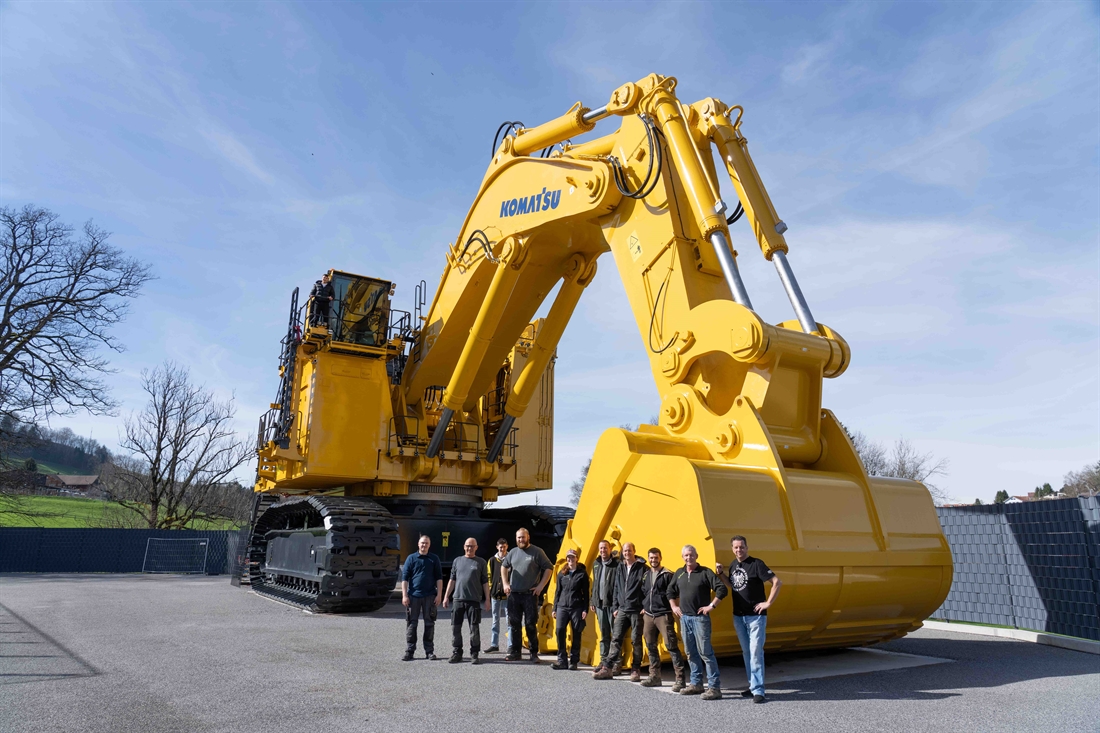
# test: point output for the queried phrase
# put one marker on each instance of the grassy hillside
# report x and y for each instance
(66, 511)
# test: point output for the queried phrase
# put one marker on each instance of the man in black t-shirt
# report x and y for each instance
(746, 579)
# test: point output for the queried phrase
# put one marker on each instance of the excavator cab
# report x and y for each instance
(360, 311)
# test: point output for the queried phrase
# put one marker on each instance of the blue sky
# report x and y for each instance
(937, 164)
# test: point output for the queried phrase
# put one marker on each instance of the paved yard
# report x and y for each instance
(161, 653)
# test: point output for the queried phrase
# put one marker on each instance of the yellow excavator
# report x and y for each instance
(389, 424)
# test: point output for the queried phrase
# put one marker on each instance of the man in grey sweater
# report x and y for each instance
(469, 590)
(526, 570)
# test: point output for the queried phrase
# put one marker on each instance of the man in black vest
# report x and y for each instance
(603, 594)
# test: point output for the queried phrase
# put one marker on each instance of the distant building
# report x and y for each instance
(78, 485)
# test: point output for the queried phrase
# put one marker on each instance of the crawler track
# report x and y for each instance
(325, 554)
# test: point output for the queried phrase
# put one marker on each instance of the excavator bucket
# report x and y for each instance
(847, 582)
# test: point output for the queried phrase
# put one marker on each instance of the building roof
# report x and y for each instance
(75, 481)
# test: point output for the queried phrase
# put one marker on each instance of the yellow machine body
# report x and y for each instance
(743, 445)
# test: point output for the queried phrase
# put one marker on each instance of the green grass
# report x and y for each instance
(72, 511)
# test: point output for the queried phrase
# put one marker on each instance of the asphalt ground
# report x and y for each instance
(186, 653)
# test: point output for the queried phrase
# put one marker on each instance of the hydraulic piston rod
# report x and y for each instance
(728, 263)
(798, 300)
(502, 435)
(440, 431)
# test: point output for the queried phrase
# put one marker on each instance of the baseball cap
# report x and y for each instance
(571, 553)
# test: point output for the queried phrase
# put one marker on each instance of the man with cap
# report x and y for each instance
(570, 609)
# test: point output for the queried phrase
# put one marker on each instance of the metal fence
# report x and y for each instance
(1034, 565)
(38, 550)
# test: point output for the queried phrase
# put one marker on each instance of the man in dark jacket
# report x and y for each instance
(322, 294)
(690, 594)
(570, 609)
(627, 610)
(657, 620)
(603, 595)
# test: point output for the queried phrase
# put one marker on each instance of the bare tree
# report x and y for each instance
(1085, 482)
(60, 294)
(577, 486)
(180, 454)
(902, 461)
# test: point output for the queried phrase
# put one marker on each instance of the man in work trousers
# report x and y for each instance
(570, 609)
(526, 570)
(689, 593)
(657, 620)
(421, 592)
(469, 588)
(323, 294)
(746, 579)
(603, 595)
(496, 593)
(627, 611)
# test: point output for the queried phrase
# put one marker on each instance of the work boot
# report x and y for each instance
(492, 649)
(603, 673)
(654, 680)
(475, 659)
(560, 664)
(408, 657)
(512, 657)
(635, 675)
(692, 690)
(678, 685)
(758, 699)
(535, 658)
(573, 666)
(431, 657)
(746, 693)
(616, 669)
(455, 658)
(712, 693)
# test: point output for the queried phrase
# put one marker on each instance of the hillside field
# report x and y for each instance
(74, 511)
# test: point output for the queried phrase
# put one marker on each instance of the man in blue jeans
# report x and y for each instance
(689, 594)
(496, 592)
(746, 579)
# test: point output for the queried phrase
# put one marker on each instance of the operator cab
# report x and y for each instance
(360, 311)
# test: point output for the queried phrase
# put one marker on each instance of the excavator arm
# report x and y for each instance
(649, 194)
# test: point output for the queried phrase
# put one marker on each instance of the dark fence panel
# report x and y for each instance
(1034, 565)
(38, 550)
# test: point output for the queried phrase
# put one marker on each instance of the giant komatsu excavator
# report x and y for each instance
(390, 424)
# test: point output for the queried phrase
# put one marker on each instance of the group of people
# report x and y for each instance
(624, 592)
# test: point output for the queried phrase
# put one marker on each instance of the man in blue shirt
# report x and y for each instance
(421, 593)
